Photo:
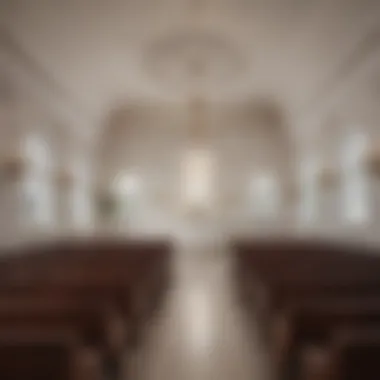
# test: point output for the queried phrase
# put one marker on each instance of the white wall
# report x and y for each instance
(152, 148)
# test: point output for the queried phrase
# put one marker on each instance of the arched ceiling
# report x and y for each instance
(190, 60)
(313, 56)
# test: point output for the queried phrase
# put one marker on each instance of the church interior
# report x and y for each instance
(190, 189)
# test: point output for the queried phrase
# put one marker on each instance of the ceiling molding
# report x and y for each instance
(40, 76)
(194, 60)
(346, 73)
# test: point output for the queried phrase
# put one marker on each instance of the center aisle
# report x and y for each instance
(200, 332)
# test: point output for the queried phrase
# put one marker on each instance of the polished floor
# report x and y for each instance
(201, 332)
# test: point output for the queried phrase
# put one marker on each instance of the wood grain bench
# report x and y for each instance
(31, 353)
(95, 288)
(305, 293)
(143, 265)
(314, 323)
(353, 354)
(303, 272)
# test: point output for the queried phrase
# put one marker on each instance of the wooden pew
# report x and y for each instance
(31, 353)
(97, 326)
(306, 271)
(352, 355)
(315, 321)
(309, 291)
(94, 323)
(143, 265)
(106, 276)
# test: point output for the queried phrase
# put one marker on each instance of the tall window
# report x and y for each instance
(355, 199)
(81, 198)
(198, 178)
(265, 195)
(127, 188)
(308, 205)
(38, 185)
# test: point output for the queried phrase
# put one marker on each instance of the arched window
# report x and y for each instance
(36, 150)
(198, 170)
(127, 187)
(264, 195)
(81, 200)
(355, 197)
(308, 206)
(38, 187)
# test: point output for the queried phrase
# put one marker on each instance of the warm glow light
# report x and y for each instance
(127, 184)
(198, 176)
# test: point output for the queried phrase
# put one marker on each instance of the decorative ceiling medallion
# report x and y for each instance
(193, 58)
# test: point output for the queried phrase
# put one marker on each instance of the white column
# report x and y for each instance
(38, 188)
(309, 194)
(355, 189)
(11, 210)
(11, 179)
(128, 193)
(264, 196)
(81, 197)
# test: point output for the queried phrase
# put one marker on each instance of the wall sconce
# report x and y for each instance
(372, 161)
(12, 168)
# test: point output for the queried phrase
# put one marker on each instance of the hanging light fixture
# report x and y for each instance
(198, 160)
(197, 120)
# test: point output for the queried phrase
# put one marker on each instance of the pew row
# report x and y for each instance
(46, 354)
(302, 292)
(105, 291)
